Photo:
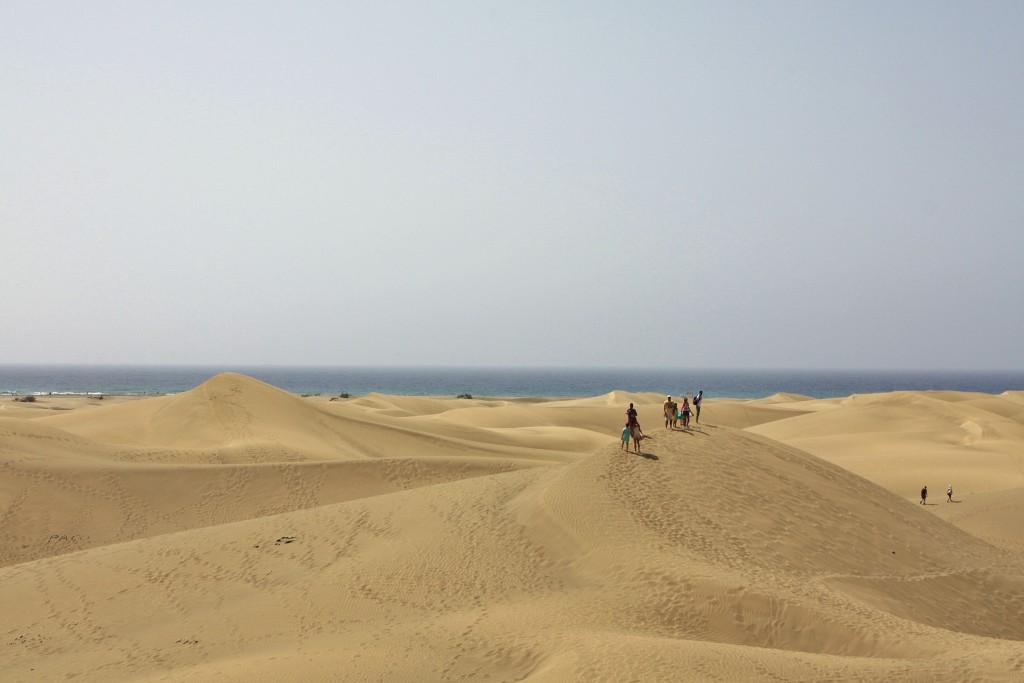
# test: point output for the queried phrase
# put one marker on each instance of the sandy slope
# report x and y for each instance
(906, 440)
(238, 533)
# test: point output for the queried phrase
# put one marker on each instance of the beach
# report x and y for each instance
(239, 532)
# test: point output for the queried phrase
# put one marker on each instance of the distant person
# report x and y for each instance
(949, 494)
(685, 411)
(631, 415)
(924, 495)
(626, 433)
(696, 405)
(669, 407)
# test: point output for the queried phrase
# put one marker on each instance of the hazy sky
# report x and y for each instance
(678, 184)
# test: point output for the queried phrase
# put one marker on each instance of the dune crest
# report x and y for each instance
(781, 397)
(226, 410)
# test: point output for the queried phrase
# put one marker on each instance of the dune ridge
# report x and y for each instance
(239, 533)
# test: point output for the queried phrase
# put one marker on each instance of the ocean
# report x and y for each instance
(517, 382)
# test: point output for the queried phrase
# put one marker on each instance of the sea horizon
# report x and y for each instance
(538, 381)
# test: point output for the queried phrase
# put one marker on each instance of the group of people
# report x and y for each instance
(632, 430)
(674, 414)
(949, 494)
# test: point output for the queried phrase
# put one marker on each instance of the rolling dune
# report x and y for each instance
(905, 440)
(239, 533)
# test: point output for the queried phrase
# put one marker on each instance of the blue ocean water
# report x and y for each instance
(574, 382)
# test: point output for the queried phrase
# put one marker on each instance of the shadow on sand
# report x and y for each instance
(692, 431)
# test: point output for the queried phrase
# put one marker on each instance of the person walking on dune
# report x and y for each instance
(949, 494)
(626, 433)
(669, 408)
(924, 495)
(638, 435)
(685, 412)
(696, 405)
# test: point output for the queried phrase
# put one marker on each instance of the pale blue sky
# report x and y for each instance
(685, 184)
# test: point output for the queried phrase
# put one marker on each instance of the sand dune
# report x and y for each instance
(906, 440)
(239, 533)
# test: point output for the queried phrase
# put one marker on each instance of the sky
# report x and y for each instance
(585, 184)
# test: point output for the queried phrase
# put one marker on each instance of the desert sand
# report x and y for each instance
(237, 532)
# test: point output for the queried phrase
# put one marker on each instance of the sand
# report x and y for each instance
(236, 532)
